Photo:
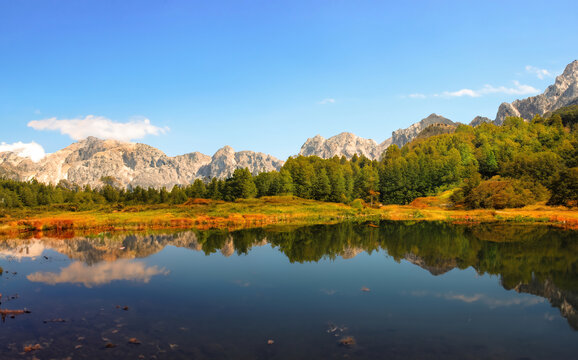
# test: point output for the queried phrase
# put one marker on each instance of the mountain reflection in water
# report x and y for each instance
(539, 260)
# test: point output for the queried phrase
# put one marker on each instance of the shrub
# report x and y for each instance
(357, 204)
(500, 193)
(565, 188)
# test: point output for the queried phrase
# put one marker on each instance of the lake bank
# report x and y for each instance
(263, 212)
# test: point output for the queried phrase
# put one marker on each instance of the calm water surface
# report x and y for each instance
(400, 290)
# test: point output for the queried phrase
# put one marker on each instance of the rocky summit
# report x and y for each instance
(563, 92)
(403, 136)
(348, 144)
(131, 164)
(478, 120)
(345, 144)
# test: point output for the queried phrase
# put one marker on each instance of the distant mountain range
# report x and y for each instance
(562, 93)
(348, 144)
(88, 161)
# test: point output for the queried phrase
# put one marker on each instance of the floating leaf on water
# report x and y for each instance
(110, 345)
(134, 341)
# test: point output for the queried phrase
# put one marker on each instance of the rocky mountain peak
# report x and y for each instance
(348, 144)
(344, 144)
(562, 93)
(401, 137)
(478, 120)
(225, 151)
(434, 118)
(571, 70)
(91, 139)
(226, 161)
(437, 119)
(131, 164)
(346, 135)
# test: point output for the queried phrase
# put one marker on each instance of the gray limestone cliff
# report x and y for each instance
(403, 136)
(478, 120)
(226, 161)
(348, 144)
(563, 92)
(345, 144)
(131, 164)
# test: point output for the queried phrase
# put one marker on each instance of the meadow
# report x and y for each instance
(266, 211)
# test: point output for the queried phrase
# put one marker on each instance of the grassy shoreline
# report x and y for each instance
(263, 212)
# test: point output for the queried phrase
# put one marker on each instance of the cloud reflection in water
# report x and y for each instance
(484, 299)
(99, 274)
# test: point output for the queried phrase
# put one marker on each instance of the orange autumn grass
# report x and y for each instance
(196, 213)
(263, 212)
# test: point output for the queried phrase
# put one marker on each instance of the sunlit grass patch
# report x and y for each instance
(262, 212)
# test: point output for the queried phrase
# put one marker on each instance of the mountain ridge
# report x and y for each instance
(563, 92)
(348, 144)
(87, 161)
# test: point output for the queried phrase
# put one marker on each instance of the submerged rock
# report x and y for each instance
(347, 341)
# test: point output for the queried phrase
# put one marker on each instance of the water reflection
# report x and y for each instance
(99, 274)
(18, 250)
(535, 260)
(491, 302)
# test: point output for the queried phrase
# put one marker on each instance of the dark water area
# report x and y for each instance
(348, 291)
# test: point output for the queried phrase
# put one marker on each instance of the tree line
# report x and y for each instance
(515, 164)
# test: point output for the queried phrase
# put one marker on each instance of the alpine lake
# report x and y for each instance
(387, 290)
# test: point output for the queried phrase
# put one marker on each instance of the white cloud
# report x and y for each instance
(100, 127)
(30, 150)
(517, 89)
(540, 73)
(327, 101)
(460, 93)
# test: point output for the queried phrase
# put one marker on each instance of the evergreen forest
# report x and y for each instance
(487, 166)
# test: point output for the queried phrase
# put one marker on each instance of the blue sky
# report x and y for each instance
(189, 76)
